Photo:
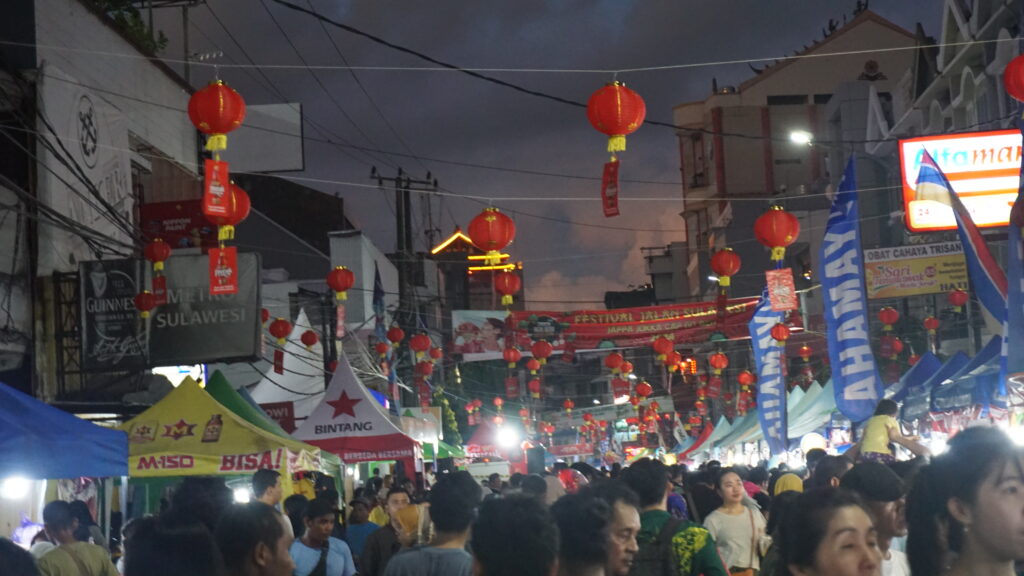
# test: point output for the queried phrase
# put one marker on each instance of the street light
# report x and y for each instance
(802, 137)
(508, 437)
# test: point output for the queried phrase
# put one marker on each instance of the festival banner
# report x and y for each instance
(782, 290)
(913, 270)
(854, 372)
(771, 385)
(563, 450)
(181, 224)
(1011, 366)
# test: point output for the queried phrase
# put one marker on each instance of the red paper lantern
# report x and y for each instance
(806, 352)
(781, 333)
(309, 338)
(718, 362)
(541, 350)
(340, 280)
(157, 252)
(436, 353)
(662, 346)
(931, 324)
(424, 369)
(498, 402)
(240, 208)
(524, 413)
(701, 408)
(897, 347)
(626, 368)
(746, 378)
(216, 110)
(145, 301)
(673, 360)
(491, 231)
(635, 401)
(616, 111)
(533, 365)
(913, 359)
(512, 355)
(644, 389)
(507, 284)
(888, 316)
(777, 229)
(534, 387)
(957, 298)
(613, 361)
(588, 417)
(395, 335)
(568, 404)
(725, 263)
(381, 348)
(419, 344)
(1013, 78)
(280, 329)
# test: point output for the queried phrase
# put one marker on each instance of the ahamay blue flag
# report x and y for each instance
(858, 388)
(771, 385)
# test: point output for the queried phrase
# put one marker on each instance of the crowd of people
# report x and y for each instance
(959, 513)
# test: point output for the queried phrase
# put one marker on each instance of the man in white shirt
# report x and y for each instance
(884, 493)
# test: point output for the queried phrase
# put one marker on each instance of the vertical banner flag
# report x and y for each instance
(988, 281)
(854, 372)
(771, 389)
(216, 201)
(1011, 366)
(223, 270)
(610, 189)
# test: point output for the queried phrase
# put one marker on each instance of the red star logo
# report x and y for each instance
(179, 430)
(344, 405)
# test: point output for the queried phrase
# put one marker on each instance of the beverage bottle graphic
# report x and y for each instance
(213, 427)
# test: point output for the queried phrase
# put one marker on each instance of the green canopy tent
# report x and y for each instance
(444, 450)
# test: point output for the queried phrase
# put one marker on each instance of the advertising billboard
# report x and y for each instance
(914, 270)
(982, 167)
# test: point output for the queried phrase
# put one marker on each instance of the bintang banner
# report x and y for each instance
(914, 270)
(626, 327)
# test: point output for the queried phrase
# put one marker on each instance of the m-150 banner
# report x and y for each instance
(590, 329)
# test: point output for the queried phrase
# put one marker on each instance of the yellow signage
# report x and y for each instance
(914, 270)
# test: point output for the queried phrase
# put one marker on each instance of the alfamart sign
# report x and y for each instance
(982, 167)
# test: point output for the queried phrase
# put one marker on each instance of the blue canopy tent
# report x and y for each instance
(958, 390)
(918, 400)
(927, 365)
(39, 441)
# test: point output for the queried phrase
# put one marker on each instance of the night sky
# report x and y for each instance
(571, 253)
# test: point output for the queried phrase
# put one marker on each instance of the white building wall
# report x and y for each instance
(355, 250)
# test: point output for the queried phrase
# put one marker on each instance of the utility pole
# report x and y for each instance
(405, 253)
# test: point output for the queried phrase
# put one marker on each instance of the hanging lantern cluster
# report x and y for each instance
(157, 252)
(280, 329)
(888, 316)
(745, 399)
(777, 229)
(473, 412)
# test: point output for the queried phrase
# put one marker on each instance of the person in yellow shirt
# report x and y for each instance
(883, 429)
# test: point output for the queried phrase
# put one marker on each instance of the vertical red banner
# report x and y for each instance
(339, 321)
(512, 387)
(223, 270)
(610, 189)
(216, 200)
(424, 393)
(160, 289)
(782, 290)
(279, 361)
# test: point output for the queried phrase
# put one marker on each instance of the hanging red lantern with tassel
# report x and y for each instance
(309, 339)
(777, 229)
(145, 302)
(420, 344)
(542, 350)
(215, 111)
(1013, 78)
(341, 279)
(616, 111)
(888, 316)
(280, 329)
(381, 348)
(613, 361)
(725, 264)
(718, 362)
(931, 325)
(395, 335)
(533, 365)
(662, 346)
(805, 353)
(626, 368)
(673, 360)
(644, 389)
(237, 211)
(508, 284)
(746, 378)
(568, 404)
(512, 355)
(534, 387)
(781, 333)
(436, 353)
(491, 231)
(157, 252)
(958, 298)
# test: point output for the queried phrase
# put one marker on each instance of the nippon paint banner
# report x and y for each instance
(78, 128)
(913, 270)
(983, 167)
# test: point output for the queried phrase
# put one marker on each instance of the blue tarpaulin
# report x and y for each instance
(927, 365)
(958, 391)
(40, 441)
(919, 398)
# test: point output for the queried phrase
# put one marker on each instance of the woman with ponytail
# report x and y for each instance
(965, 512)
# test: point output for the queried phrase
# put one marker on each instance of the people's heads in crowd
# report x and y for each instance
(397, 499)
(494, 482)
(514, 536)
(59, 522)
(615, 471)
(886, 407)
(15, 560)
(730, 486)
(319, 519)
(648, 478)
(155, 550)
(294, 509)
(624, 525)
(969, 502)
(515, 481)
(266, 486)
(198, 499)
(453, 502)
(812, 457)
(130, 529)
(883, 492)
(829, 471)
(80, 510)
(829, 532)
(759, 477)
(788, 482)
(588, 471)
(777, 511)
(359, 511)
(583, 526)
(533, 485)
(254, 540)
